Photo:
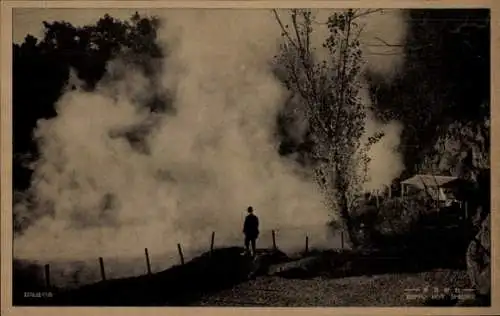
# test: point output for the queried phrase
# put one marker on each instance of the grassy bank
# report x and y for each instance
(174, 286)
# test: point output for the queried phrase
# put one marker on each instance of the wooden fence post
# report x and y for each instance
(103, 274)
(274, 240)
(212, 241)
(47, 276)
(148, 263)
(180, 253)
(342, 239)
(307, 244)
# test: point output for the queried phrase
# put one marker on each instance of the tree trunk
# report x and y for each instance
(343, 206)
(346, 217)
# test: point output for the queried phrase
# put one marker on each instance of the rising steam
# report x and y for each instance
(200, 168)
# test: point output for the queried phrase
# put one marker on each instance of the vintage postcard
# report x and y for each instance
(249, 154)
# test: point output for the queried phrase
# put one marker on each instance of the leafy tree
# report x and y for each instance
(41, 70)
(329, 90)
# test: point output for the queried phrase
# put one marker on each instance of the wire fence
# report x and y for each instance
(76, 273)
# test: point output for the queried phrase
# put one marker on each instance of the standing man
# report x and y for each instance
(251, 231)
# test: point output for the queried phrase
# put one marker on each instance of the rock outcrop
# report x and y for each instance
(302, 268)
(478, 259)
(263, 261)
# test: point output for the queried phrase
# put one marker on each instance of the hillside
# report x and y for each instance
(225, 278)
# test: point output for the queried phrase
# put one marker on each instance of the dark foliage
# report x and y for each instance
(445, 79)
(414, 227)
(41, 70)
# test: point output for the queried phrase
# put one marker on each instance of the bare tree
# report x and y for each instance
(329, 90)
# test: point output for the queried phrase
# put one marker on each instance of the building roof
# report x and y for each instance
(428, 180)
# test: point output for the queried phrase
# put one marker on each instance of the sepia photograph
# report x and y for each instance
(251, 157)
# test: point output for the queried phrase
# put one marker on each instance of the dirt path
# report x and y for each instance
(378, 290)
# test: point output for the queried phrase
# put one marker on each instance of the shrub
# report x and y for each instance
(397, 222)
(393, 216)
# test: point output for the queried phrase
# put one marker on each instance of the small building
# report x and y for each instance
(444, 189)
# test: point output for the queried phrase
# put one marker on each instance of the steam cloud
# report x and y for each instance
(199, 169)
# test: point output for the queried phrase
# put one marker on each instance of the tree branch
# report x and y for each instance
(283, 29)
(307, 20)
(386, 43)
(297, 33)
(367, 12)
(341, 74)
